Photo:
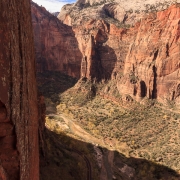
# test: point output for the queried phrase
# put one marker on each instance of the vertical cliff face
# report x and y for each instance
(91, 63)
(55, 44)
(143, 58)
(19, 152)
(153, 59)
(104, 47)
(138, 48)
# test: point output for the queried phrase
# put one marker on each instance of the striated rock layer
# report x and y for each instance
(153, 58)
(144, 59)
(55, 44)
(122, 12)
(139, 49)
(19, 149)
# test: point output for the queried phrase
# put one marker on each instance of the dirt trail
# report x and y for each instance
(107, 159)
(77, 130)
(80, 132)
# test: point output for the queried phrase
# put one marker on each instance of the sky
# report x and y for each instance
(53, 5)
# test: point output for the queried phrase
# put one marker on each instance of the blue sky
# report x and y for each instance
(53, 5)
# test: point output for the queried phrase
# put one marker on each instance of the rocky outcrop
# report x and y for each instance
(104, 48)
(134, 45)
(91, 64)
(128, 4)
(19, 149)
(90, 2)
(152, 63)
(55, 44)
(55, 13)
(124, 12)
(143, 58)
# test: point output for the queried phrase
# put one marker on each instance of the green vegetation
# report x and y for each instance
(116, 22)
(133, 78)
(102, 2)
(148, 131)
(158, 6)
(51, 83)
(145, 131)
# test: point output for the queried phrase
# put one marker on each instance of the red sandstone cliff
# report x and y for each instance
(56, 47)
(19, 149)
(104, 47)
(153, 58)
(142, 57)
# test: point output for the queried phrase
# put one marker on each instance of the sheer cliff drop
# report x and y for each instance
(19, 151)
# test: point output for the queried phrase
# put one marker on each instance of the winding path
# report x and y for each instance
(80, 132)
(88, 164)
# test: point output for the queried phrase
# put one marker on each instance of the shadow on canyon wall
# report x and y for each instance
(72, 159)
(56, 47)
(51, 84)
(108, 60)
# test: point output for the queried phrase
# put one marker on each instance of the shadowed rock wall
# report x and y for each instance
(56, 47)
(19, 149)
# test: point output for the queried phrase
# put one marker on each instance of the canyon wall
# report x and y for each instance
(153, 58)
(138, 48)
(19, 149)
(103, 52)
(143, 58)
(56, 47)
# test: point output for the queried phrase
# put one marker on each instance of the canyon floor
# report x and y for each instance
(91, 135)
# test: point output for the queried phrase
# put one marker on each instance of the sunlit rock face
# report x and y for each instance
(138, 46)
(153, 58)
(125, 11)
(144, 59)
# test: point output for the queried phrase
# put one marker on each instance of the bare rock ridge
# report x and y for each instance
(55, 13)
(56, 47)
(125, 11)
(19, 149)
(129, 4)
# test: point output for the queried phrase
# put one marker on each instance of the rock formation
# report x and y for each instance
(19, 149)
(136, 45)
(153, 59)
(125, 11)
(91, 64)
(55, 44)
(142, 57)
(55, 13)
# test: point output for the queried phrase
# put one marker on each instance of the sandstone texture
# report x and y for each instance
(19, 149)
(136, 44)
(153, 58)
(143, 58)
(122, 11)
(56, 47)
